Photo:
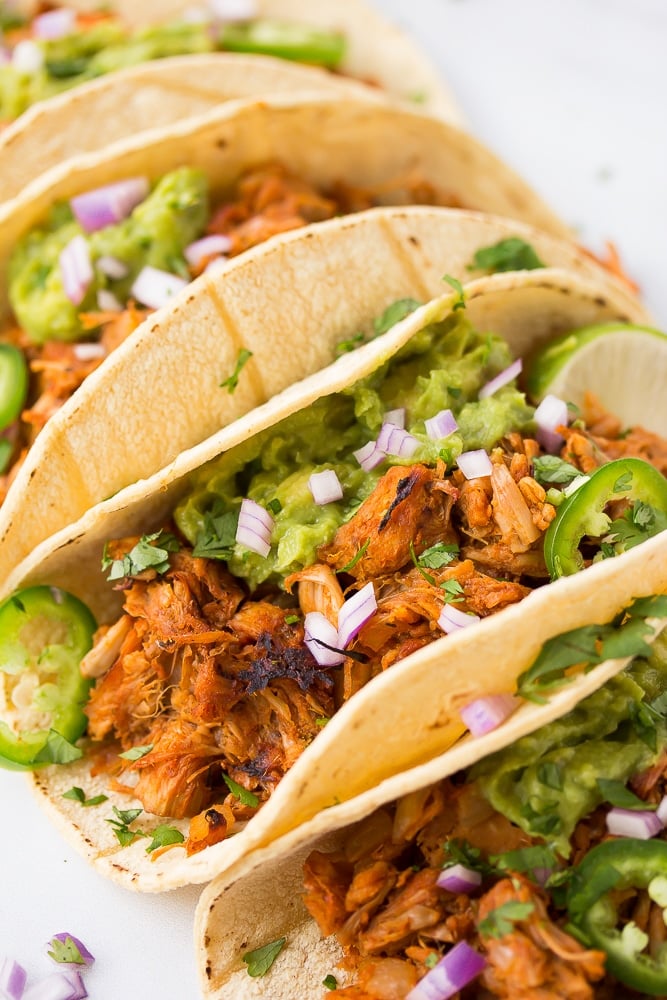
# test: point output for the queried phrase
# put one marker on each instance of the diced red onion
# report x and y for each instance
(208, 246)
(575, 485)
(196, 15)
(325, 487)
(318, 629)
(55, 23)
(234, 10)
(89, 352)
(154, 288)
(112, 267)
(57, 986)
(395, 417)
(661, 811)
(109, 204)
(394, 440)
(12, 979)
(354, 614)
(27, 57)
(550, 414)
(508, 375)
(441, 425)
(79, 991)
(633, 823)
(459, 878)
(484, 714)
(252, 510)
(369, 456)
(76, 269)
(459, 967)
(87, 956)
(107, 301)
(452, 619)
(474, 464)
(254, 527)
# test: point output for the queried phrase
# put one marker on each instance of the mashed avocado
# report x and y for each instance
(547, 781)
(156, 233)
(443, 366)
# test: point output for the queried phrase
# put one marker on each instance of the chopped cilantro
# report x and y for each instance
(65, 951)
(501, 920)
(330, 982)
(431, 960)
(511, 254)
(461, 852)
(543, 822)
(639, 522)
(162, 836)
(274, 506)
(427, 576)
(57, 750)
(136, 753)
(616, 794)
(121, 825)
(240, 793)
(345, 346)
(217, 538)
(356, 557)
(260, 960)
(393, 314)
(232, 381)
(292, 619)
(526, 859)
(549, 774)
(460, 302)
(452, 590)
(77, 794)
(321, 721)
(551, 469)
(145, 555)
(438, 555)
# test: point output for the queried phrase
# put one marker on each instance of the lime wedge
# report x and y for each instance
(625, 366)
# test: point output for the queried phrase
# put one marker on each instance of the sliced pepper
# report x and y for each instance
(13, 384)
(44, 633)
(582, 514)
(297, 42)
(612, 866)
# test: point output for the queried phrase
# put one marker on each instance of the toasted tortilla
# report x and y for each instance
(377, 50)
(283, 301)
(260, 898)
(403, 717)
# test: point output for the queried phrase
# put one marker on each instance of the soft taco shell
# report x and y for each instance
(262, 300)
(260, 898)
(408, 714)
(142, 98)
(377, 50)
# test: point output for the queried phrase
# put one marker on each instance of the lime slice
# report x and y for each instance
(624, 366)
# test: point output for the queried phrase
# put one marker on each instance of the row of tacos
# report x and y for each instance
(237, 663)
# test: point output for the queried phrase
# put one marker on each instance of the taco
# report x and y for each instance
(526, 862)
(47, 52)
(257, 163)
(216, 678)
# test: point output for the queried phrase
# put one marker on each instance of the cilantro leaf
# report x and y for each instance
(654, 606)
(260, 960)
(551, 469)
(452, 590)
(639, 522)
(217, 537)
(241, 793)
(549, 774)
(616, 794)
(526, 859)
(292, 619)
(438, 555)
(77, 794)
(511, 254)
(330, 982)
(145, 555)
(65, 951)
(460, 302)
(345, 346)
(121, 825)
(393, 314)
(136, 753)
(231, 382)
(57, 750)
(501, 921)
(359, 554)
(461, 852)
(162, 836)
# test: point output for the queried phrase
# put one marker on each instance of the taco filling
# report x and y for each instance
(80, 284)
(538, 872)
(313, 556)
(61, 48)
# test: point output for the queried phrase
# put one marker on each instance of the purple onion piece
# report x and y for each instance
(207, 246)
(370, 456)
(234, 10)
(475, 464)
(12, 979)
(318, 629)
(441, 425)
(27, 57)
(395, 417)
(325, 487)
(506, 376)
(154, 288)
(54, 24)
(400, 443)
(57, 986)
(485, 714)
(459, 967)
(107, 205)
(550, 414)
(459, 878)
(452, 619)
(253, 540)
(112, 267)
(76, 269)
(62, 936)
(354, 614)
(641, 824)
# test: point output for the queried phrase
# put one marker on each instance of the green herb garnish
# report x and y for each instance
(57, 750)
(551, 469)
(217, 538)
(330, 982)
(260, 960)
(121, 825)
(438, 555)
(393, 314)
(460, 302)
(232, 381)
(77, 794)
(136, 753)
(616, 794)
(359, 554)
(162, 836)
(65, 951)
(345, 346)
(145, 555)
(240, 793)
(501, 920)
(511, 254)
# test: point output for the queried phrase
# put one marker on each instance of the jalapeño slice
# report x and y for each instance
(284, 40)
(44, 633)
(13, 384)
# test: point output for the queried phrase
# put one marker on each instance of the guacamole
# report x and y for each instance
(106, 45)
(442, 367)
(156, 233)
(547, 781)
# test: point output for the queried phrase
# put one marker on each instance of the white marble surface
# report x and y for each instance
(571, 94)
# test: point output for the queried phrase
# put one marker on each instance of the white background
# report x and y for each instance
(572, 94)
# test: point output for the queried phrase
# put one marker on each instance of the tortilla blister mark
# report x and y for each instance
(276, 296)
(408, 714)
(142, 99)
(260, 898)
(376, 49)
